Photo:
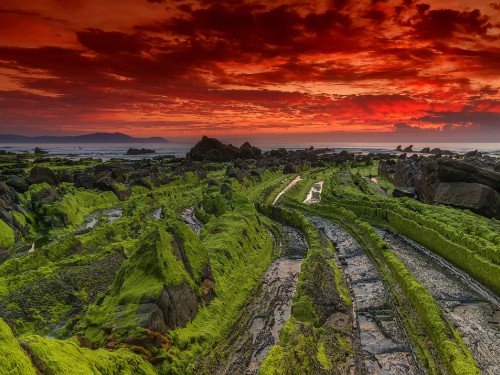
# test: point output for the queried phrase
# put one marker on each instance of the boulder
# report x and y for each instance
(426, 150)
(66, 176)
(40, 175)
(44, 196)
(400, 192)
(239, 175)
(450, 170)
(123, 192)
(408, 149)
(85, 180)
(179, 305)
(211, 149)
(39, 151)
(247, 151)
(19, 184)
(398, 148)
(150, 316)
(140, 151)
(478, 198)
(387, 168)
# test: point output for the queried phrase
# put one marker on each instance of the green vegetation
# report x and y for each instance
(94, 282)
(12, 358)
(240, 250)
(7, 236)
(308, 343)
(67, 357)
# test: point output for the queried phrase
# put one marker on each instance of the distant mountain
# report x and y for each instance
(87, 138)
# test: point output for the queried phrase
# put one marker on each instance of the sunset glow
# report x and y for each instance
(218, 67)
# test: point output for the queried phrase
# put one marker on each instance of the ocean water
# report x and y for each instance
(179, 149)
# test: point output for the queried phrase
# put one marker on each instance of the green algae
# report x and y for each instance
(67, 357)
(7, 236)
(13, 360)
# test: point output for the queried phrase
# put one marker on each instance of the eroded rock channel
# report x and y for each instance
(383, 341)
(259, 326)
(473, 310)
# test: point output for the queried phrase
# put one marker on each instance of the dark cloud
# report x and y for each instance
(110, 42)
(445, 23)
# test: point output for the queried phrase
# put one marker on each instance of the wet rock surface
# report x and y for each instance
(473, 310)
(384, 344)
(188, 216)
(314, 194)
(260, 325)
(109, 215)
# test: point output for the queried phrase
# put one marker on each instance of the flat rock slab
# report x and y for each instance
(476, 318)
(385, 347)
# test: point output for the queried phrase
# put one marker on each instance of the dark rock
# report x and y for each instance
(207, 283)
(472, 154)
(212, 183)
(225, 188)
(40, 175)
(387, 168)
(450, 170)
(428, 174)
(121, 191)
(398, 148)
(408, 149)
(400, 192)
(150, 316)
(140, 151)
(179, 305)
(18, 183)
(39, 151)
(211, 149)
(87, 181)
(289, 168)
(239, 175)
(44, 196)
(247, 151)
(66, 176)
(476, 197)
(426, 150)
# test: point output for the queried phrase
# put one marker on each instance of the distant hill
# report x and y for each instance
(87, 138)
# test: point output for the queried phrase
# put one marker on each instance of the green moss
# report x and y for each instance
(151, 267)
(323, 357)
(67, 357)
(7, 236)
(21, 219)
(13, 360)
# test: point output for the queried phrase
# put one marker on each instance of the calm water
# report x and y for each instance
(108, 151)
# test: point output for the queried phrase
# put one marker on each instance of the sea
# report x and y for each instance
(179, 149)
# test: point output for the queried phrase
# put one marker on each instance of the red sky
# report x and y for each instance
(225, 67)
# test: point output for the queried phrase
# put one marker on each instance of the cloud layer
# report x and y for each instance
(186, 68)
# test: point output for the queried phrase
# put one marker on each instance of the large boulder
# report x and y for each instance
(387, 168)
(451, 182)
(40, 175)
(18, 183)
(400, 192)
(211, 149)
(476, 197)
(450, 170)
(85, 180)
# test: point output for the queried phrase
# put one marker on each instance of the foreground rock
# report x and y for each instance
(386, 348)
(467, 304)
(260, 324)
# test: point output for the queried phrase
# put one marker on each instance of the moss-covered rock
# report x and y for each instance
(13, 360)
(7, 236)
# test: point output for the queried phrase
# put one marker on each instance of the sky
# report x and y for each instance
(361, 70)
